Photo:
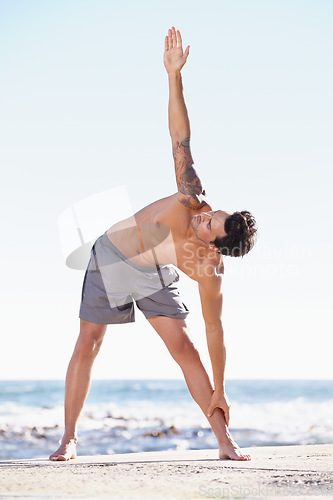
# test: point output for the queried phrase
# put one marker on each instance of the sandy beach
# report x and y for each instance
(284, 471)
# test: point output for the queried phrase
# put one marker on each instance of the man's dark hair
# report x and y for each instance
(241, 229)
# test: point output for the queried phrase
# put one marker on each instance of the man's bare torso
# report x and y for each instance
(161, 233)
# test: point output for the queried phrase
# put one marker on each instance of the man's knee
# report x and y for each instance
(185, 352)
(86, 348)
(90, 339)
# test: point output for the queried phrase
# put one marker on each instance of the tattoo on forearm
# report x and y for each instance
(186, 142)
(188, 182)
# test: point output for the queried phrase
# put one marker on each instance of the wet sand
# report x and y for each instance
(277, 471)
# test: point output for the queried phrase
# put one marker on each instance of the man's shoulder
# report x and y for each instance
(203, 266)
(181, 202)
(213, 264)
(173, 211)
(208, 275)
(220, 265)
(193, 201)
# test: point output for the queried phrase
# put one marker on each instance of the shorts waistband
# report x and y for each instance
(106, 241)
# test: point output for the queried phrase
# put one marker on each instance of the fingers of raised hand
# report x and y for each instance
(179, 38)
(173, 39)
(174, 36)
(169, 40)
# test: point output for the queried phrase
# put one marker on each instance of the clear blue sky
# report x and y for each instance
(83, 109)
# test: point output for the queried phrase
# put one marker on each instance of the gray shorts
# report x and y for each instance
(112, 282)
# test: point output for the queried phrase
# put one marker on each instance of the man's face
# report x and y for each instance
(208, 225)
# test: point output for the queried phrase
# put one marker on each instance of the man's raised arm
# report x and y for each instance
(188, 183)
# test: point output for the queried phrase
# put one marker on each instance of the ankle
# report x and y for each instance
(68, 438)
(225, 439)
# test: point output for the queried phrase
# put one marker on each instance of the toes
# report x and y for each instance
(58, 458)
(242, 457)
(235, 454)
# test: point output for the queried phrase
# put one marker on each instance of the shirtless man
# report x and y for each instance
(135, 259)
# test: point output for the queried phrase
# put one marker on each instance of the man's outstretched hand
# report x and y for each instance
(174, 57)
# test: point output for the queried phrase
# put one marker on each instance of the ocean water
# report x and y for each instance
(123, 416)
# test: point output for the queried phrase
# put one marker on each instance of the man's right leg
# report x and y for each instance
(78, 380)
(174, 334)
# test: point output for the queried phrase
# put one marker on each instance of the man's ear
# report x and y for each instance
(214, 248)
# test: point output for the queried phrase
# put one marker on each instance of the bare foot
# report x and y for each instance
(230, 450)
(66, 451)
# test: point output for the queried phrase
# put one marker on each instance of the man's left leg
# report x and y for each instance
(174, 334)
